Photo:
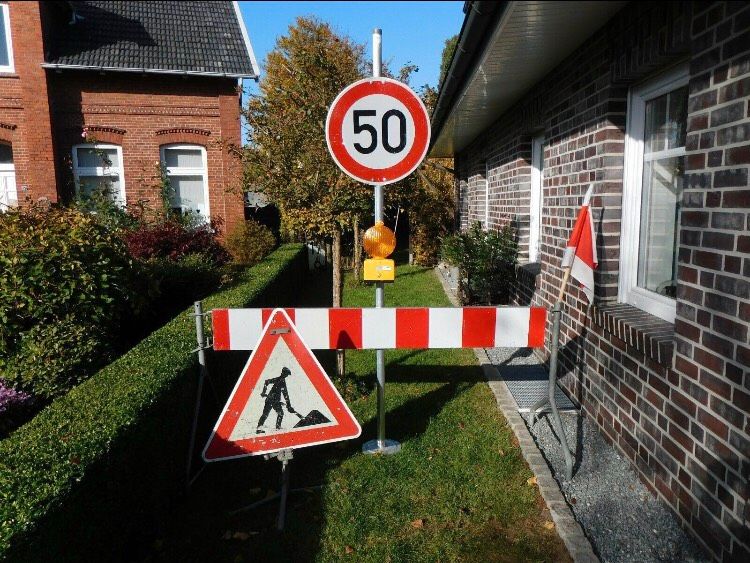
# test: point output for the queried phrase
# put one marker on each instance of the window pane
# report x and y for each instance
(188, 192)
(6, 154)
(90, 157)
(660, 207)
(656, 123)
(666, 120)
(183, 158)
(8, 195)
(4, 55)
(677, 124)
(107, 185)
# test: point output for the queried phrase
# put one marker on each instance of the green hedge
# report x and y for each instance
(95, 472)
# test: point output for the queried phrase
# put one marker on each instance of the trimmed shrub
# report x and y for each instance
(486, 261)
(55, 263)
(176, 283)
(250, 242)
(95, 471)
(174, 240)
(53, 357)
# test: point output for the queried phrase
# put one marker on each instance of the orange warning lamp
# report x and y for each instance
(379, 242)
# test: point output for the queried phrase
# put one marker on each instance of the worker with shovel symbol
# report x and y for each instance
(273, 400)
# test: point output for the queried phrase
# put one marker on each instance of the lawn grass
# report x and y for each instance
(458, 490)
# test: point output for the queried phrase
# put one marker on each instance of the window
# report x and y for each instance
(186, 168)
(98, 169)
(654, 164)
(8, 194)
(6, 47)
(535, 203)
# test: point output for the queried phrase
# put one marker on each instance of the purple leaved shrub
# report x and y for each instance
(15, 408)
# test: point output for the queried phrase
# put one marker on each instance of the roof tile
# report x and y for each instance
(169, 36)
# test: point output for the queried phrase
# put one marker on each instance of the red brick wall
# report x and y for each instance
(674, 398)
(24, 107)
(141, 112)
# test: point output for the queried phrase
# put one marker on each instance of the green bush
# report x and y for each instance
(57, 265)
(176, 283)
(249, 242)
(96, 470)
(486, 261)
(53, 357)
(105, 210)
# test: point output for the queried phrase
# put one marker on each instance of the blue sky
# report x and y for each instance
(412, 31)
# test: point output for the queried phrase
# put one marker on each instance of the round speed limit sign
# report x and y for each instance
(377, 130)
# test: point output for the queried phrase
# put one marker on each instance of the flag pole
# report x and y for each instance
(554, 350)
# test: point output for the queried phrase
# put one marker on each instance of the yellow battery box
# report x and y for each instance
(379, 270)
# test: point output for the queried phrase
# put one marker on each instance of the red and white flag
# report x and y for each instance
(581, 250)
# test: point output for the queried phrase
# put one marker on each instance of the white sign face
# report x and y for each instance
(282, 402)
(378, 130)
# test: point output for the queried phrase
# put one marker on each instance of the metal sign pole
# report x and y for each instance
(381, 445)
(284, 489)
(202, 369)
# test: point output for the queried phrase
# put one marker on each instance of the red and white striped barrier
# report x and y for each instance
(389, 328)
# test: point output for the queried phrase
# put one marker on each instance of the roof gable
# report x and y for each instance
(176, 37)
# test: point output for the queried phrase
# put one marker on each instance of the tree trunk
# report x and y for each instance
(357, 251)
(340, 359)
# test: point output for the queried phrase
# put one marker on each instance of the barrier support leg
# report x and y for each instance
(550, 399)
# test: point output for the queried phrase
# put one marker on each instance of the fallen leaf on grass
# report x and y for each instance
(461, 425)
(531, 481)
(418, 523)
(549, 525)
(501, 451)
(349, 549)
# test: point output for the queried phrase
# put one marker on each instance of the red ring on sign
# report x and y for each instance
(334, 124)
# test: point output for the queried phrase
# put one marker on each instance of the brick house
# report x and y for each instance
(97, 94)
(650, 102)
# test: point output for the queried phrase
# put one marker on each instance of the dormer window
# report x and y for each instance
(6, 49)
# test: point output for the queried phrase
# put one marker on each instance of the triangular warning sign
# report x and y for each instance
(283, 399)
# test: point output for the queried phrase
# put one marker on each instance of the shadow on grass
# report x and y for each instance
(201, 529)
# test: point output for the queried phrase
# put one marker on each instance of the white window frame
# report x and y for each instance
(101, 171)
(183, 171)
(8, 171)
(10, 67)
(536, 197)
(628, 290)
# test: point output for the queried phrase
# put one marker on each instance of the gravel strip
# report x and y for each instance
(623, 520)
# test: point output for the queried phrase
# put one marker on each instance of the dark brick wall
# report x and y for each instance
(674, 398)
